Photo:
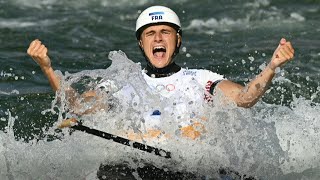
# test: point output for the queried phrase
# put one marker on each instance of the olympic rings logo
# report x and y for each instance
(169, 87)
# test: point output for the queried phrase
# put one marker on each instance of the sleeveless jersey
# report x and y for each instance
(184, 91)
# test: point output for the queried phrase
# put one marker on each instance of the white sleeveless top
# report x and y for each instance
(185, 80)
(187, 90)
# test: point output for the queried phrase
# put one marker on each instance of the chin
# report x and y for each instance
(159, 63)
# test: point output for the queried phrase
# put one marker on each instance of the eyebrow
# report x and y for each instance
(162, 30)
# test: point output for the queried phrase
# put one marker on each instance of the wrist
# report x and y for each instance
(272, 67)
(46, 69)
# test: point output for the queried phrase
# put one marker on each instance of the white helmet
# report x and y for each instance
(155, 15)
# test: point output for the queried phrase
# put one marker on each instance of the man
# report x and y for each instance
(159, 35)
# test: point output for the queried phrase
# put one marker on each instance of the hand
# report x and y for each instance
(68, 123)
(282, 54)
(38, 52)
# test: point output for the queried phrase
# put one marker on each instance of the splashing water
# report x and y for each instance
(267, 141)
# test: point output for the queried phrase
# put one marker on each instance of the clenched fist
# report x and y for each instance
(38, 52)
(282, 54)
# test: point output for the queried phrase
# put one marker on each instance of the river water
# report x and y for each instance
(276, 139)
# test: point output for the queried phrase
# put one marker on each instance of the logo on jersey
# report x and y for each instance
(168, 87)
(190, 73)
(156, 15)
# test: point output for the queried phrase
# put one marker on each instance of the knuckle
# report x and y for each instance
(42, 55)
(31, 53)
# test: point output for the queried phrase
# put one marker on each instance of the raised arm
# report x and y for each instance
(247, 96)
(39, 54)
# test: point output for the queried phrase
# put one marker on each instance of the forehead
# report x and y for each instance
(158, 28)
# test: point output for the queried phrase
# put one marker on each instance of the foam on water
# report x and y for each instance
(229, 24)
(298, 130)
(25, 23)
(83, 3)
(267, 141)
(78, 3)
(255, 15)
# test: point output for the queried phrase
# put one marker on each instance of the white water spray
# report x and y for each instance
(267, 141)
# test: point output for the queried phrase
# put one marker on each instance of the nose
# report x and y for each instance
(158, 37)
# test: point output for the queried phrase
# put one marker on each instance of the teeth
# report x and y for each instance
(158, 47)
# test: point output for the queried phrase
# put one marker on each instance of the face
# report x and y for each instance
(159, 43)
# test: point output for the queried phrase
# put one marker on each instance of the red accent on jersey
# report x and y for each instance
(207, 95)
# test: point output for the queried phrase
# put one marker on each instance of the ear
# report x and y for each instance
(179, 40)
(140, 44)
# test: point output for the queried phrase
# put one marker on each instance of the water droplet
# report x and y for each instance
(184, 49)
(308, 78)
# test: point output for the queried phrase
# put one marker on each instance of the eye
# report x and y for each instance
(166, 31)
(151, 33)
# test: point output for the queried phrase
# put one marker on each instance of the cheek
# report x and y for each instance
(145, 45)
(173, 39)
(172, 46)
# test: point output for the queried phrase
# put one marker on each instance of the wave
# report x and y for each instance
(77, 3)
(24, 23)
(250, 21)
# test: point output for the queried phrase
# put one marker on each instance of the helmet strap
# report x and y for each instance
(176, 50)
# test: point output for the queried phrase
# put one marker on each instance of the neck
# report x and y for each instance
(162, 72)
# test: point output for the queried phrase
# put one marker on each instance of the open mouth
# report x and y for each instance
(159, 51)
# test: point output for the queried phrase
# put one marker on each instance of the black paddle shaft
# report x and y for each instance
(124, 141)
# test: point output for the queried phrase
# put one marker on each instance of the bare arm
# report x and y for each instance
(38, 52)
(250, 94)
